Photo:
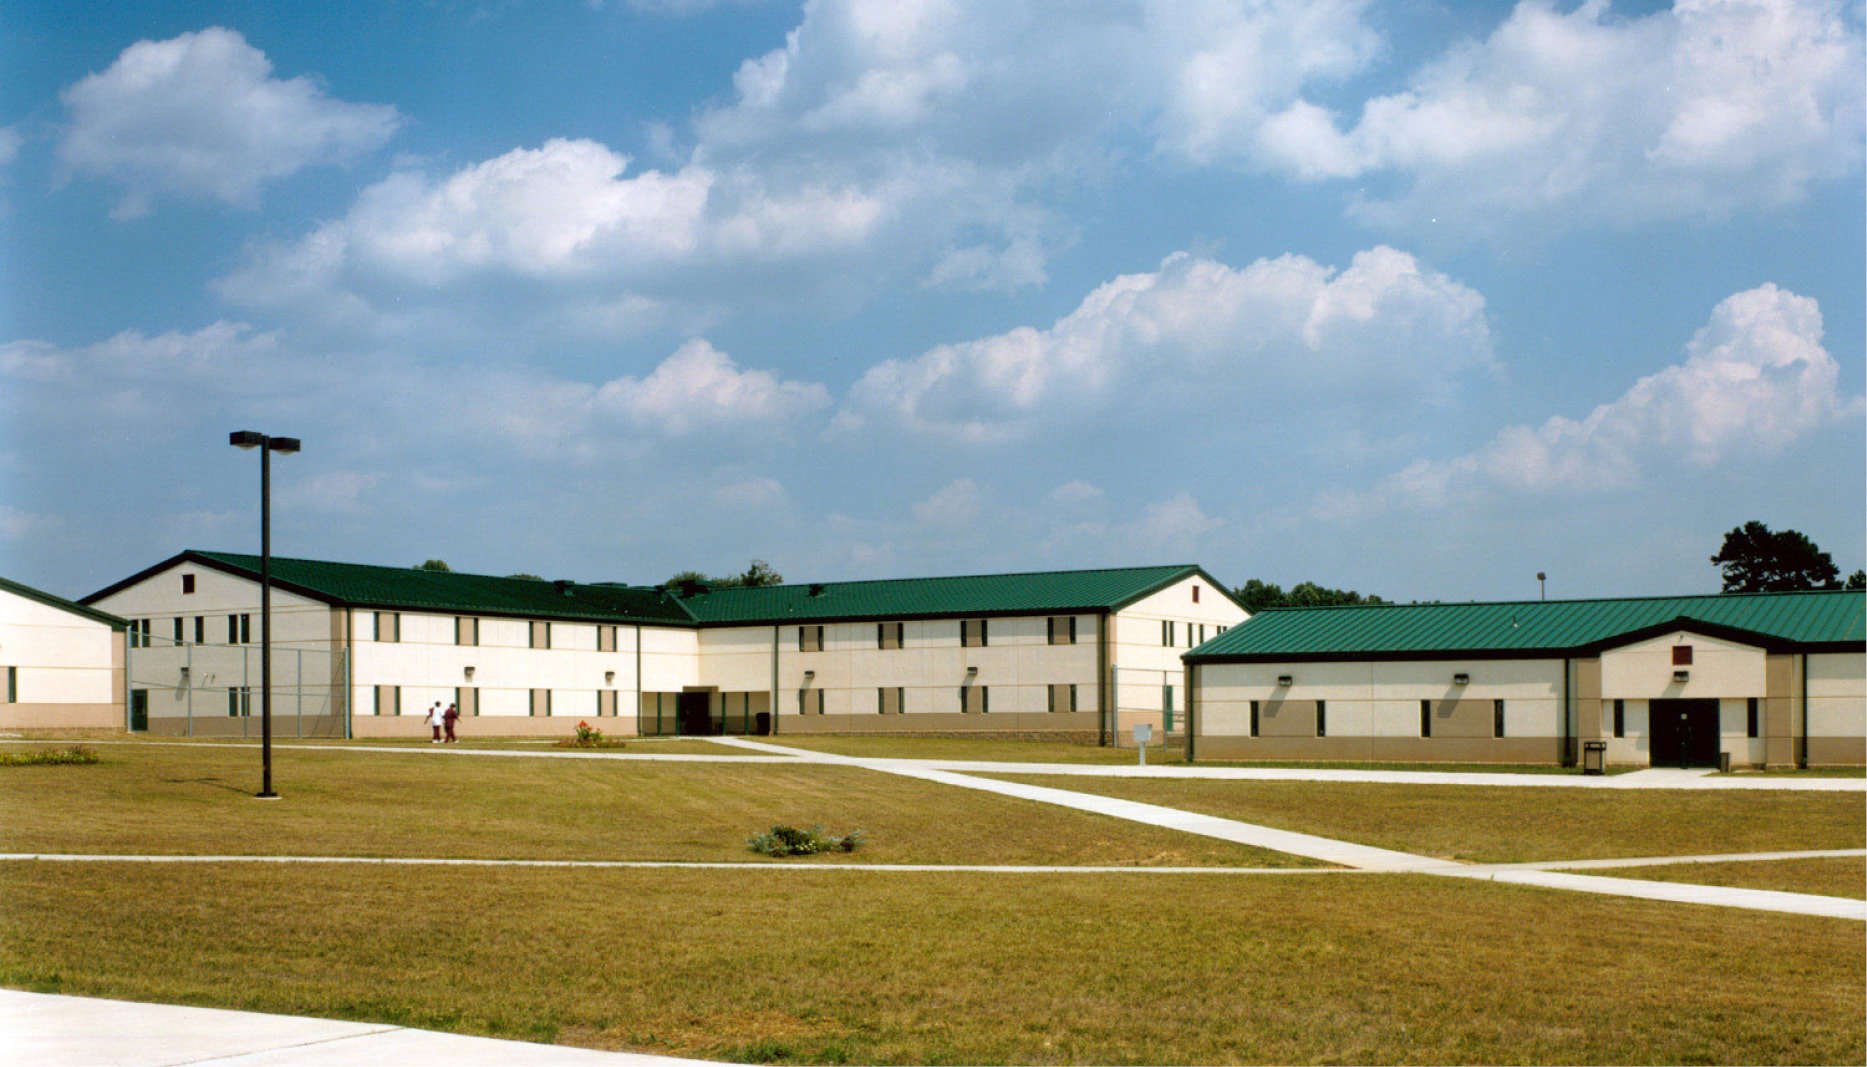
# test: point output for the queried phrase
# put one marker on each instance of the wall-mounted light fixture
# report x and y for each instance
(1284, 679)
(1681, 676)
(185, 673)
(609, 677)
(1461, 678)
(469, 672)
(971, 671)
(809, 675)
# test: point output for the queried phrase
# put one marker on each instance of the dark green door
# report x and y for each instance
(1684, 732)
(139, 710)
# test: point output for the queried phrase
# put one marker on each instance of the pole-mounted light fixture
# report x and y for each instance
(249, 439)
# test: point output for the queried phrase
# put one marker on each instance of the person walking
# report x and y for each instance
(435, 720)
(449, 719)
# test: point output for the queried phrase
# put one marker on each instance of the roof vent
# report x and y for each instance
(816, 589)
(689, 587)
(562, 586)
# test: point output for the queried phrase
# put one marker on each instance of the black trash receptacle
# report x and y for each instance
(761, 724)
(1594, 757)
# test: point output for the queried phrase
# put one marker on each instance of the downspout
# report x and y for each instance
(774, 680)
(1803, 761)
(1192, 707)
(1105, 681)
(350, 693)
(1568, 743)
(128, 674)
(638, 684)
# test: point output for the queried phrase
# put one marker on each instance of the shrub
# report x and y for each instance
(76, 754)
(790, 841)
(588, 736)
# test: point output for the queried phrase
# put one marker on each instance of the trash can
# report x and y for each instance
(1724, 763)
(1594, 757)
(761, 724)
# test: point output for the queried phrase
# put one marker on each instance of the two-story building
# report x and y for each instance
(363, 650)
(61, 664)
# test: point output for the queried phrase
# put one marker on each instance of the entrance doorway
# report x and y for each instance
(139, 710)
(1684, 732)
(693, 714)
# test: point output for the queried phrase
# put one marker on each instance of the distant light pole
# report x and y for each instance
(1540, 594)
(267, 446)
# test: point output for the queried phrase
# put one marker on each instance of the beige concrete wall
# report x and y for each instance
(69, 667)
(1838, 709)
(1383, 749)
(492, 726)
(1145, 666)
(1077, 724)
(1719, 669)
(296, 621)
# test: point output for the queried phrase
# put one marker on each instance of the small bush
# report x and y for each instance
(76, 754)
(790, 841)
(589, 737)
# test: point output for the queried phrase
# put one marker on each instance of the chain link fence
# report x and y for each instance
(202, 690)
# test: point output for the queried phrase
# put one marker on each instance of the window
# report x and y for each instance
(1750, 718)
(1166, 633)
(139, 633)
(466, 630)
(1062, 698)
(1497, 718)
(541, 703)
(810, 639)
(972, 633)
(605, 639)
(1322, 719)
(888, 634)
(1196, 594)
(388, 700)
(388, 626)
(1682, 655)
(1620, 718)
(200, 629)
(890, 700)
(187, 585)
(1202, 634)
(1254, 718)
(178, 630)
(541, 635)
(1426, 718)
(1063, 629)
(973, 700)
(239, 701)
(810, 702)
(12, 685)
(1166, 709)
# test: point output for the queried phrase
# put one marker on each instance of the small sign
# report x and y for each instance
(1143, 732)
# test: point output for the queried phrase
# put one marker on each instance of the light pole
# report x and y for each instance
(267, 446)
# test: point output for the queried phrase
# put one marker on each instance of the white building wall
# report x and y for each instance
(1838, 694)
(1146, 663)
(67, 667)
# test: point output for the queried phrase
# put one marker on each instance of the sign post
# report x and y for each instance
(1143, 733)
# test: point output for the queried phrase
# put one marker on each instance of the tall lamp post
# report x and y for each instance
(267, 446)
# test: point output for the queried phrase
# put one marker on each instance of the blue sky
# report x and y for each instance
(1412, 298)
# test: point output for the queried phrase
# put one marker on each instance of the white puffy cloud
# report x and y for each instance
(1197, 328)
(1754, 382)
(10, 142)
(699, 386)
(1565, 115)
(201, 115)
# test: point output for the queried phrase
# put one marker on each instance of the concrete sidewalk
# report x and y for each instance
(58, 1031)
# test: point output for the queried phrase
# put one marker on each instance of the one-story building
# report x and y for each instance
(1765, 679)
(363, 651)
(61, 664)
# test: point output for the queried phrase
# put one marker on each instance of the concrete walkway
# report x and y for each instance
(1360, 857)
(59, 1031)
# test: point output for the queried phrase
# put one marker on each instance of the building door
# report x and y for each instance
(692, 713)
(139, 710)
(1684, 732)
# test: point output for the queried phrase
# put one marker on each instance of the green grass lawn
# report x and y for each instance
(159, 799)
(1828, 876)
(997, 751)
(1492, 824)
(877, 967)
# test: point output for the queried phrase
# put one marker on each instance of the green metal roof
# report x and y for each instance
(364, 585)
(1807, 621)
(1051, 592)
(62, 604)
(368, 586)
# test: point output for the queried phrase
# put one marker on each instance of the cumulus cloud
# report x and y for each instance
(1701, 109)
(201, 115)
(1196, 327)
(134, 373)
(1755, 380)
(10, 142)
